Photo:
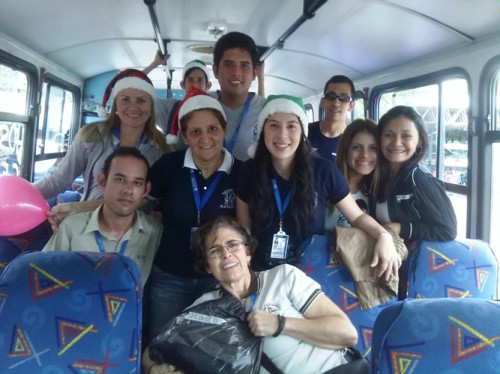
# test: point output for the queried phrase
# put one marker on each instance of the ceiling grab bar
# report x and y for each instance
(310, 8)
(161, 43)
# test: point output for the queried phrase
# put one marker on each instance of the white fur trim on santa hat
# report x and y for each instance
(102, 112)
(172, 139)
(133, 82)
(282, 105)
(195, 64)
(198, 102)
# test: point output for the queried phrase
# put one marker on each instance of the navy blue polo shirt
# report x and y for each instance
(326, 147)
(329, 184)
(171, 185)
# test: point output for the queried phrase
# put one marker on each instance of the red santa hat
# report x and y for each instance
(194, 99)
(128, 78)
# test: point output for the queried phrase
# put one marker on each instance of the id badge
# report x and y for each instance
(280, 245)
(193, 230)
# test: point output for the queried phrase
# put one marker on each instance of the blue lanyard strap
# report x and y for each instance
(200, 202)
(100, 244)
(230, 146)
(116, 133)
(277, 198)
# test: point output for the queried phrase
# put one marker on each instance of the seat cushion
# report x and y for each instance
(457, 268)
(71, 311)
(437, 336)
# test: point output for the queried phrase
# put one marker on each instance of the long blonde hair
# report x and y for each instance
(89, 132)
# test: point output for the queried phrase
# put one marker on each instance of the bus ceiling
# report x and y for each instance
(362, 39)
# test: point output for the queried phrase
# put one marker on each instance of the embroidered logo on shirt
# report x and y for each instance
(229, 199)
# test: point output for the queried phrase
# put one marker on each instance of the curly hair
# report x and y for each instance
(200, 240)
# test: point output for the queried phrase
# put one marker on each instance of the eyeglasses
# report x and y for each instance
(231, 246)
(331, 96)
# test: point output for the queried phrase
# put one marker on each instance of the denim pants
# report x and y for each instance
(169, 295)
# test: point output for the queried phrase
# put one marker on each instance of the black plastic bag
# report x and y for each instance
(211, 337)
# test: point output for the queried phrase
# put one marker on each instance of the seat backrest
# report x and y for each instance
(457, 268)
(319, 261)
(71, 312)
(437, 336)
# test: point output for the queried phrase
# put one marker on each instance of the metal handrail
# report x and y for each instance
(310, 8)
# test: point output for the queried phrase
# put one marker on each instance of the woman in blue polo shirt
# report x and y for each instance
(284, 204)
(192, 187)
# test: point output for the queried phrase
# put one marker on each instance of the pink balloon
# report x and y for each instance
(22, 206)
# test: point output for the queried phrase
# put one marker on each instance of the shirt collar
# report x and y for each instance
(93, 224)
(226, 165)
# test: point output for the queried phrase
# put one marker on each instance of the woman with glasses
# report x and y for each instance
(282, 192)
(337, 102)
(192, 187)
(303, 330)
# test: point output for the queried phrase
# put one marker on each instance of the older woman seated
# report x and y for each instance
(303, 330)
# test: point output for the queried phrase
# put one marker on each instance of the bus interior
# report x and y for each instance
(441, 57)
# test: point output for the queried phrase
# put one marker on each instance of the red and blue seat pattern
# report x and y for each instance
(326, 267)
(70, 312)
(442, 335)
(460, 268)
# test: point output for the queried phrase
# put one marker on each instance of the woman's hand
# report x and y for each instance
(385, 257)
(162, 369)
(262, 323)
(62, 210)
(58, 213)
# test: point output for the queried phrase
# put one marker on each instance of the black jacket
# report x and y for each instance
(418, 201)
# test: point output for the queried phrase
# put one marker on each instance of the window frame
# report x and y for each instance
(53, 81)
(28, 119)
(437, 78)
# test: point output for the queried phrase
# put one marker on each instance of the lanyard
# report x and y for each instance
(277, 198)
(237, 130)
(98, 240)
(200, 203)
(116, 133)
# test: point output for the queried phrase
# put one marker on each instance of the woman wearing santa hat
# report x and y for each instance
(282, 192)
(192, 186)
(131, 122)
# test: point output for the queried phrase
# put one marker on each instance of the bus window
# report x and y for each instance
(54, 127)
(495, 196)
(13, 108)
(309, 112)
(359, 109)
(443, 106)
(495, 166)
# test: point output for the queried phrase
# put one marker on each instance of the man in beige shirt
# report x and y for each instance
(116, 225)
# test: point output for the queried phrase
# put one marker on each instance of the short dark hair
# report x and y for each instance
(184, 120)
(199, 239)
(238, 40)
(124, 152)
(340, 79)
(189, 71)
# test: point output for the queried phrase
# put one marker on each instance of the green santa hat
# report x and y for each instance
(279, 104)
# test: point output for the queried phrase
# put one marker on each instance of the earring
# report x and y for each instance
(418, 150)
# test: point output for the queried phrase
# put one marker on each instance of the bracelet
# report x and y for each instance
(281, 325)
(152, 366)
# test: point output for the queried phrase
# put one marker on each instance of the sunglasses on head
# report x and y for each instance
(331, 96)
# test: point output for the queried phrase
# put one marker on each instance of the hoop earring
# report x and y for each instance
(418, 150)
